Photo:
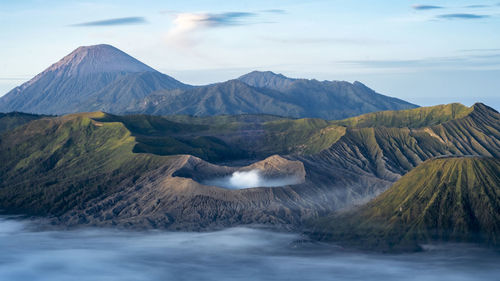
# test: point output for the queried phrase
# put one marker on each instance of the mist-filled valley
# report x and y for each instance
(230, 254)
(252, 178)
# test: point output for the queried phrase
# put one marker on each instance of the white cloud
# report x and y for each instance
(187, 25)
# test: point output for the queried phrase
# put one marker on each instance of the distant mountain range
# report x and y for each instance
(103, 78)
(150, 171)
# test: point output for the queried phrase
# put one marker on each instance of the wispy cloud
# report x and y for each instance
(477, 6)
(462, 16)
(274, 11)
(114, 21)
(190, 21)
(186, 25)
(426, 7)
(481, 50)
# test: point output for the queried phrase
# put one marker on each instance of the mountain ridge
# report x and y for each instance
(101, 77)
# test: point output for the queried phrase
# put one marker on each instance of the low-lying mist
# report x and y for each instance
(231, 254)
(252, 178)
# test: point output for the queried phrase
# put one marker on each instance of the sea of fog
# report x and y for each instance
(232, 254)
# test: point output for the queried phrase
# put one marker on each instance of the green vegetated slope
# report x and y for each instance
(9, 121)
(52, 165)
(81, 170)
(413, 118)
(448, 199)
(389, 152)
(59, 164)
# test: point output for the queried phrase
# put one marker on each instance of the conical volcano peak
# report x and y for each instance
(90, 78)
(98, 59)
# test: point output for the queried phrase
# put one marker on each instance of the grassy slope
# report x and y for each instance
(412, 118)
(53, 165)
(450, 199)
(226, 138)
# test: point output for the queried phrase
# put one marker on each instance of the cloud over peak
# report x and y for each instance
(186, 24)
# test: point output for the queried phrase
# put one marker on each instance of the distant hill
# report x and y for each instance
(269, 93)
(89, 78)
(448, 199)
(103, 78)
(330, 100)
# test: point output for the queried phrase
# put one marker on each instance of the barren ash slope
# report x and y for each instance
(133, 171)
(103, 78)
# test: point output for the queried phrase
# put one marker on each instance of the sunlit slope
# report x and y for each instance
(55, 164)
(448, 199)
(389, 152)
(412, 118)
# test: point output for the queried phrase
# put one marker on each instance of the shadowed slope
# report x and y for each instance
(53, 165)
(9, 121)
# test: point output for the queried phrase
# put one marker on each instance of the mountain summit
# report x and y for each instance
(97, 59)
(89, 78)
(267, 79)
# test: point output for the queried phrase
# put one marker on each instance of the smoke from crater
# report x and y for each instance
(252, 178)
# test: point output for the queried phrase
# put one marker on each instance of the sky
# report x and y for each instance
(425, 52)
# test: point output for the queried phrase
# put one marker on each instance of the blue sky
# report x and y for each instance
(426, 52)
